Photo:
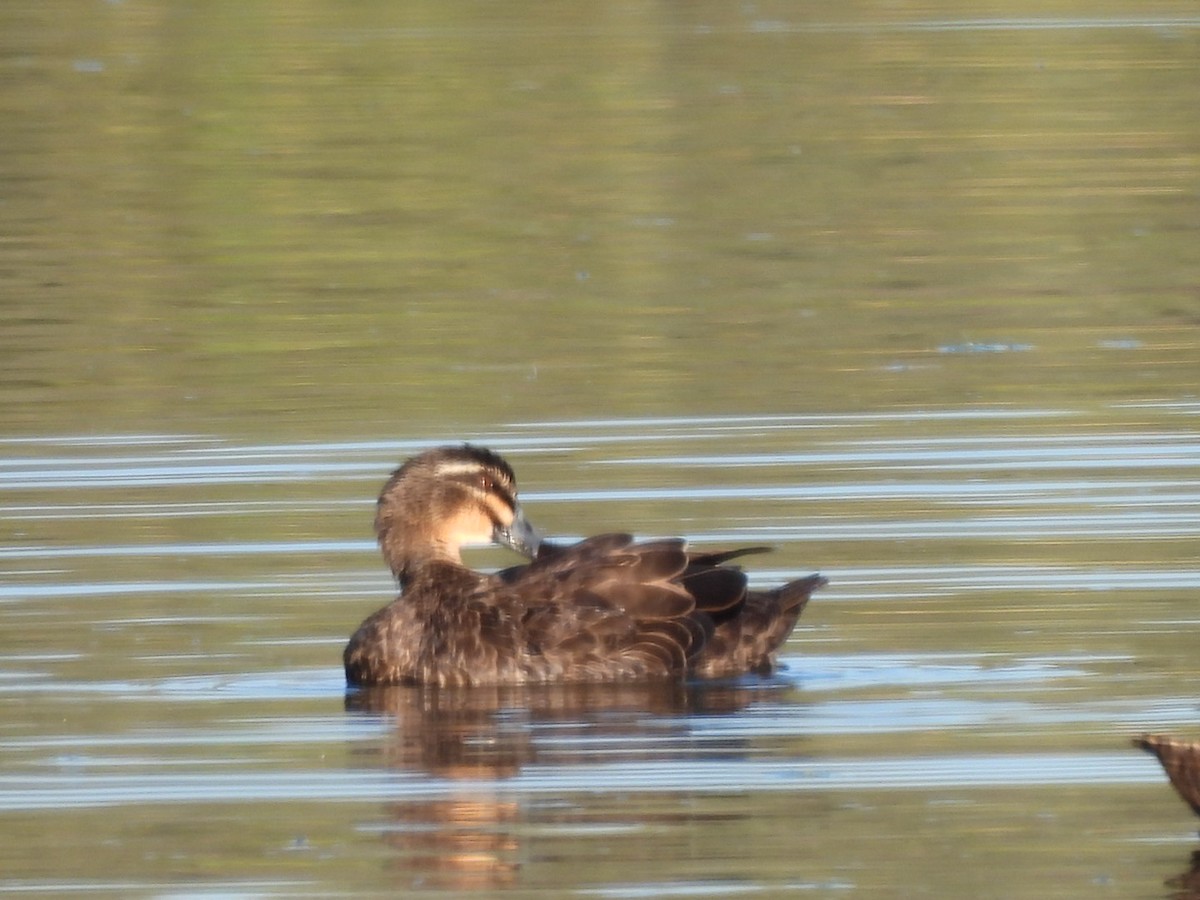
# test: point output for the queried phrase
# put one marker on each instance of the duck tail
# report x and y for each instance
(794, 595)
(784, 607)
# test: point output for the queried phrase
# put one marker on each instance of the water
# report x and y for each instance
(908, 293)
(998, 624)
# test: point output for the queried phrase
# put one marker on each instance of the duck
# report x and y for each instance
(608, 608)
(1180, 759)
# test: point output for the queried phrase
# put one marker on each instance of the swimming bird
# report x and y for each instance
(608, 608)
(1180, 760)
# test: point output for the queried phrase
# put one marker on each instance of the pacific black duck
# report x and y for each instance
(608, 608)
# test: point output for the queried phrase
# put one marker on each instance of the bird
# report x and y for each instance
(606, 609)
(1181, 761)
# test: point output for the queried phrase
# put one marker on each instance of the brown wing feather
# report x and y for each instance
(604, 600)
(657, 600)
(656, 603)
(715, 590)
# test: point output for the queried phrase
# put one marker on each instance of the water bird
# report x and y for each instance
(608, 608)
(1181, 760)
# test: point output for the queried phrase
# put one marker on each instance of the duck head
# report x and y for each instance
(442, 499)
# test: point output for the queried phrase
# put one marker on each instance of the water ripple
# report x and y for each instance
(67, 791)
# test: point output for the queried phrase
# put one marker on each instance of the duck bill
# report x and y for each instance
(519, 535)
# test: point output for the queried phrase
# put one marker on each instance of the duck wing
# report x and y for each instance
(714, 588)
(612, 607)
(604, 608)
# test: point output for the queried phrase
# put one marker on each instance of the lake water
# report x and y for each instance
(908, 292)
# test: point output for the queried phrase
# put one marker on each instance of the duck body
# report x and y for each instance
(608, 608)
(1181, 761)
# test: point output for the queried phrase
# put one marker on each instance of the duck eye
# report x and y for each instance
(485, 482)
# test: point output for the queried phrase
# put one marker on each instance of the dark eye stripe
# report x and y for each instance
(498, 488)
(504, 494)
(489, 508)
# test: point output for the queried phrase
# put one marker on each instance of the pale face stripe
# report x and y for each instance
(499, 511)
(451, 467)
(451, 470)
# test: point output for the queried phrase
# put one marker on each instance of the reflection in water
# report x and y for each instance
(472, 839)
(1187, 885)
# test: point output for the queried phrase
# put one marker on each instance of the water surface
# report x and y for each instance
(998, 624)
(907, 292)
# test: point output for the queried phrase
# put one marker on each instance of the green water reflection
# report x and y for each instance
(401, 217)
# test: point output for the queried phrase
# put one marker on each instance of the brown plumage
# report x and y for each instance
(605, 609)
(1181, 759)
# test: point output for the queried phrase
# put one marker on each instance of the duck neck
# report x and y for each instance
(410, 558)
(442, 575)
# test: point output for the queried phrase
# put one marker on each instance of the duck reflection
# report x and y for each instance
(470, 836)
(1187, 885)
